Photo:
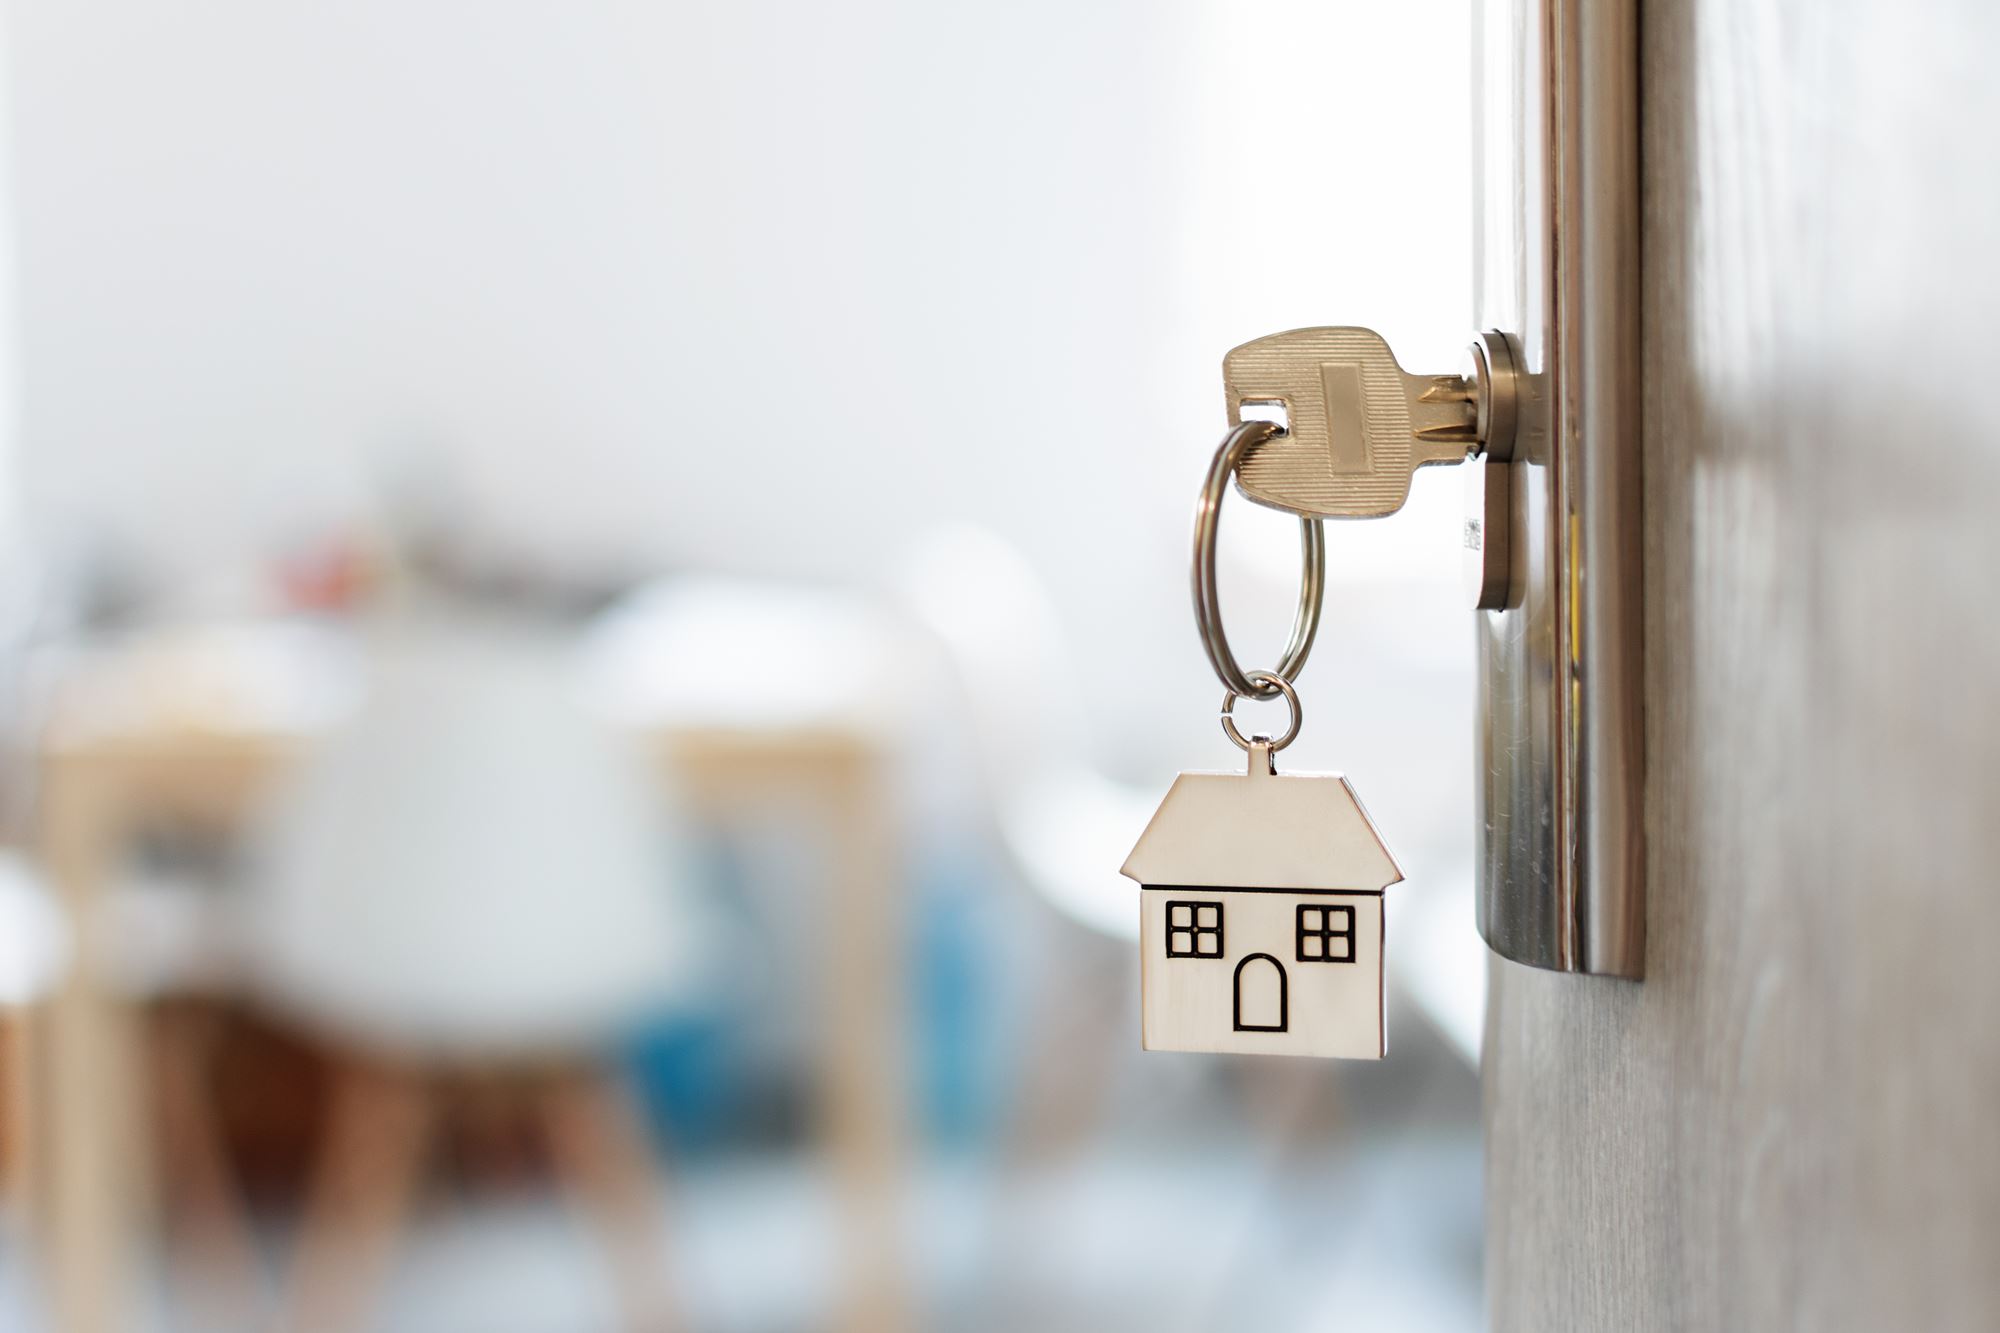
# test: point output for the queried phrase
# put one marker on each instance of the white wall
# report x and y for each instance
(764, 286)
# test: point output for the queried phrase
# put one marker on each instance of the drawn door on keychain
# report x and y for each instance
(1260, 924)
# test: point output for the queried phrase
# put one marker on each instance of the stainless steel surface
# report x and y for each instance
(1242, 441)
(1279, 685)
(1561, 873)
(1357, 424)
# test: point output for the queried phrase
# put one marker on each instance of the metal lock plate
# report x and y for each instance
(1553, 521)
(1561, 734)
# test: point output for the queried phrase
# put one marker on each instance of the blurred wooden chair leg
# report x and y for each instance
(17, 1112)
(610, 1167)
(371, 1160)
(207, 1224)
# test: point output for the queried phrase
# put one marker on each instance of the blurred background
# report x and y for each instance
(592, 598)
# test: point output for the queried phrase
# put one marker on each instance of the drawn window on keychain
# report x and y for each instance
(1261, 925)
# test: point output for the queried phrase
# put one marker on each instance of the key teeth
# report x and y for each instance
(1454, 395)
(1448, 389)
(1468, 433)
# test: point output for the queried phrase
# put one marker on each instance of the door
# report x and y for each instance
(1787, 1124)
(1261, 999)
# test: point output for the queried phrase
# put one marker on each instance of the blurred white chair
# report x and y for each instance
(1064, 826)
(763, 659)
(473, 873)
(34, 940)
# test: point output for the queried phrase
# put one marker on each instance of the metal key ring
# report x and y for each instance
(1279, 685)
(1207, 603)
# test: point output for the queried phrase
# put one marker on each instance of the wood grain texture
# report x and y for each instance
(1789, 1124)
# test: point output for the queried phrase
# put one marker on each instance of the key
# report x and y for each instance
(1357, 424)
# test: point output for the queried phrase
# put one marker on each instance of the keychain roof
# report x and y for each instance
(1300, 831)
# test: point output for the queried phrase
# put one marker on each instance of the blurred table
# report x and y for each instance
(103, 779)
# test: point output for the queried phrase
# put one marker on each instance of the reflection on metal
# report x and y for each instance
(1562, 859)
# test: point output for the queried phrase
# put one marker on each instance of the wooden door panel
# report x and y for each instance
(1787, 1124)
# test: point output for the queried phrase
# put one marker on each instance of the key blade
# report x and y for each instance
(1444, 418)
(1358, 424)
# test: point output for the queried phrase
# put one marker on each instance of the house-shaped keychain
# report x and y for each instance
(1261, 916)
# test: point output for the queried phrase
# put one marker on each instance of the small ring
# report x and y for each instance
(1208, 603)
(1279, 685)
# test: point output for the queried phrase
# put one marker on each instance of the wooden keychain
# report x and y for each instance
(1260, 893)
